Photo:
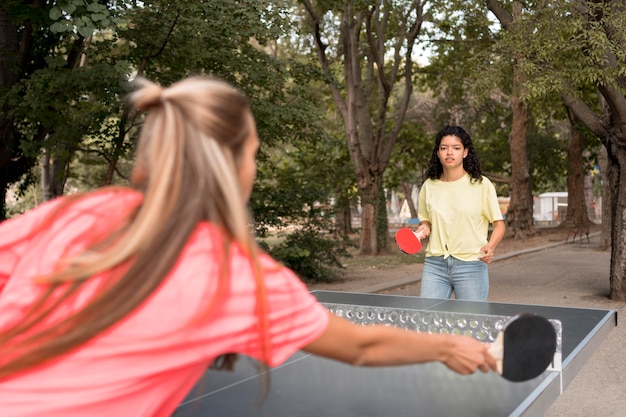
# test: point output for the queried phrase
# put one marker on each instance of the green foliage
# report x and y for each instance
(547, 155)
(470, 79)
(315, 257)
(80, 106)
(466, 63)
(79, 16)
(296, 185)
(561, 50)
(470, 75)
(294, 179)
(24, 195)
(411, 154)
(79, 109)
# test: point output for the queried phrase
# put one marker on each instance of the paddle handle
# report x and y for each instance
(496, 349)
(419, 235)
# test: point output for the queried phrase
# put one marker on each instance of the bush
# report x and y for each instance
(311, 254)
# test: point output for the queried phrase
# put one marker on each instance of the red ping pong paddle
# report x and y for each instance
(525, 347)
(408, 241)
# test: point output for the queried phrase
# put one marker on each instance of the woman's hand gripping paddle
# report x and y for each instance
(524, 348)
(408, 241)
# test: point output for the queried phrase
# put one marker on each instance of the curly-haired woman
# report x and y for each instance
(456, 205)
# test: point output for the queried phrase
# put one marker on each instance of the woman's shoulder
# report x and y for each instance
(480, 181)
(430, 182)
(104, 202)
(114, 194)
(486, 183)
(106, 199)
(100, 208)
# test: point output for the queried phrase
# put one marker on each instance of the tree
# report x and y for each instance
(65, 68)
(489, 64)
(606, 19)
(577, 215)
(480, 74)
(519, 217)
(576, 45)
(373, 44)
(411, 154)
(32, 54)
(520, 26)
(67, 84)
(66, 106)
(295, 198)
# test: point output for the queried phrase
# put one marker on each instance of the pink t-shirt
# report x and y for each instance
(148, 362)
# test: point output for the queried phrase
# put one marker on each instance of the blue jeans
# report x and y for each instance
(468, 280)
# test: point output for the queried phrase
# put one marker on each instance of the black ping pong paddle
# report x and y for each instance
(408, 241)
(525, 347)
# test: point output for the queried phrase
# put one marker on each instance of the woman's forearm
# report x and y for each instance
(388, 346)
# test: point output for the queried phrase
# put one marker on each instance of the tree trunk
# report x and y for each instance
(368, 243)
(590, 199)
(54, 173)
(605, 229)
(617, 179)
(343, 217)
(17, 43)
(118, 142)
(519, 216)
(9, 46)
(372, 69)
(576, 208)
(382, 223)
(46, 188)
(343, 221)
(3, 201)
(610, 126)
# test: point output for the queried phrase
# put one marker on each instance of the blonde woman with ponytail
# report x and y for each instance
(115, 302)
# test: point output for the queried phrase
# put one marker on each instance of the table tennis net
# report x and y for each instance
(479, 326)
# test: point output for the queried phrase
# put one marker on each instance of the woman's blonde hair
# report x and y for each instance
(187, 163)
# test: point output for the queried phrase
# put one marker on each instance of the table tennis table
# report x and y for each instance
(310, 386)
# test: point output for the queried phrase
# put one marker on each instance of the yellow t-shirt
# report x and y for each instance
(459, 213)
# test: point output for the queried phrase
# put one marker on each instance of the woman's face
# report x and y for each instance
(247, 169)
(451, 151)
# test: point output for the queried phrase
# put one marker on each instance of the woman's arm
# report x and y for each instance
(379, 345)
(497, 234)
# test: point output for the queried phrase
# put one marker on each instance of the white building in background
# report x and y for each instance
(393, 210)
(405, 214)
(550, 207)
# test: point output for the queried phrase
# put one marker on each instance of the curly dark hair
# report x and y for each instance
(471, 163)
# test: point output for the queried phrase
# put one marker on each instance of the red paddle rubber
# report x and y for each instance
(407, 241)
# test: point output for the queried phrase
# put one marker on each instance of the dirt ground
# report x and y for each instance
(554, 273)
